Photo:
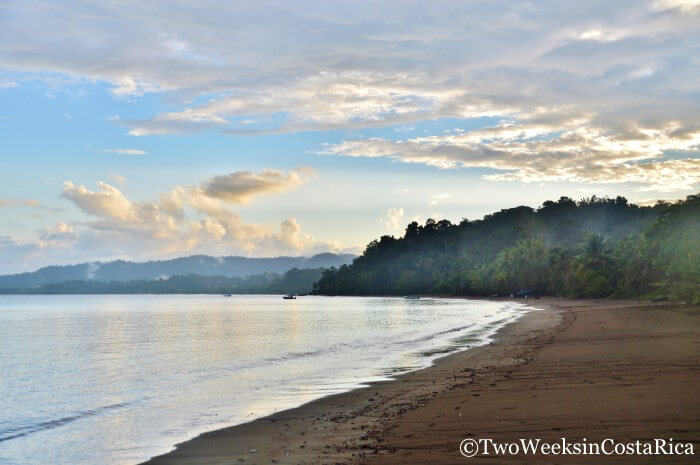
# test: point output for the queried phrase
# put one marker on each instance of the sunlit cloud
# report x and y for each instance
(27, 203)
(189, 219)
(118, 178)
(190, 120)
(324, 101)
(125, 151)
(566, 151)
(435, 199)
(582, 97)
(61, 235)
(241, 186)
(394, 219)
(686, 6)
(128, 87)
(490, 58)
(600, 35)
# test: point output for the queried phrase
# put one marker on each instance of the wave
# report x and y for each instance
(19, 431)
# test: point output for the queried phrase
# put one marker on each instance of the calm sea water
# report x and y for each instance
(118, 379)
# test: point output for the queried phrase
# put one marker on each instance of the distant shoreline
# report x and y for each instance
(574, 349)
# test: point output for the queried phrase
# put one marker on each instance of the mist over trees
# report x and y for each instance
(154, 270)
(596, 247)
(296, 281)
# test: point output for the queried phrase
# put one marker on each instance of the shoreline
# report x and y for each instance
(235, 443)
(577, 368)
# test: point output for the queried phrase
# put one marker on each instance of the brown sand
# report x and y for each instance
(579, 369)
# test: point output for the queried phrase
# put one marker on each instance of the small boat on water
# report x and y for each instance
(289, 297)
(227, 295)
(411, 297)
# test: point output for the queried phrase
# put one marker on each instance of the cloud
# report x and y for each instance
(61, 228)
(434, 199)
(125, 151)
(108, 202)
(291, 238)
(54, 244)
(394, 219)
(685, 6)
(61, 235)
(653, 201)
(128, 87)
(189, 120)
(191, 219)
(564, 69)
(118, 178)
(545, 149)
(31, 203)
(241, 186)
(326, 101)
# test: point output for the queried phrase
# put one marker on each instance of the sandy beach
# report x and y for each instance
(625, 370)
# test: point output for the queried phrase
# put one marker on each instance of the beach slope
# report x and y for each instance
(578, 369)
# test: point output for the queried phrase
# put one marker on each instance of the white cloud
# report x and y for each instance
(190, 219)
(189, 120)
(686, 6)
(125, 151)
(435, 199)
(118, 178)
(620, 68)
(394, 219)
(128, 87)
(350, 99)
(241, 186)
(108, 202)
(61, 235)
(599, 35)
(572, 150)
(31, 203)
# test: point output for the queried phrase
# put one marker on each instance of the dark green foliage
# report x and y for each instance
(591, 248)
(673, 242)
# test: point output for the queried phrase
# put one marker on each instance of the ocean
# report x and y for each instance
(117, 379)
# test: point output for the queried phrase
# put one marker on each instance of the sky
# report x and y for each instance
(149, 129)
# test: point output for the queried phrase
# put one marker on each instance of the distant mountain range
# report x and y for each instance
(203, 265)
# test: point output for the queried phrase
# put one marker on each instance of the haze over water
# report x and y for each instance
(118, 379)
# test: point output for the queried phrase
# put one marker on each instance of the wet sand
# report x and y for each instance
(625, 370)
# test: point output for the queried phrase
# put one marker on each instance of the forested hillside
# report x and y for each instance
(202, 265)
(294, 281)
(596, 247)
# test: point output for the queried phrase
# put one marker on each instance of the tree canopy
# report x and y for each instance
(595, 247)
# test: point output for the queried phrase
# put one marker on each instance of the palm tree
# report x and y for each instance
(595, 247)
